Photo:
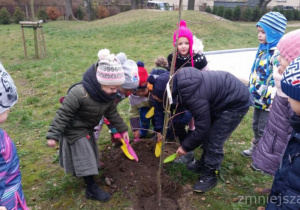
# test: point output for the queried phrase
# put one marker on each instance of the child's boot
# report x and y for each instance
(95, 193)
(195, 166)
(207, 181)
(249, 152)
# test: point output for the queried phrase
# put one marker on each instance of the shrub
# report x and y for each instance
(4, 16)
(247, 14)
(208, 9)
(114, 11)
(18, 15)
(228, 14)
(256, 14)
(296, 14)
(102, 12)
(42, 15)
(215, 10)
(237, 13)
(53, 13)
(289, 14)
(275, 9)
(79, 14)
(220, 11)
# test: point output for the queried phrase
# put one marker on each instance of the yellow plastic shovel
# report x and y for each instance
(125, 150)
(150, 113)
(158, 149)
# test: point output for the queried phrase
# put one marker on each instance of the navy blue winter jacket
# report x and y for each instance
(206, 94)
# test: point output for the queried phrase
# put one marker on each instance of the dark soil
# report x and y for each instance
(138, 180)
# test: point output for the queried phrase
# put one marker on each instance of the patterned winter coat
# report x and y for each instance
(11, 193)
(261, 79)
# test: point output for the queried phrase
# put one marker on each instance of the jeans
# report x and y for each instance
(260, 118)
(222, 127)
(144, 122)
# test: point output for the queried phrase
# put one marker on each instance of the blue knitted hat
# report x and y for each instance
(290, 83)
(160, 84)
(274, 25)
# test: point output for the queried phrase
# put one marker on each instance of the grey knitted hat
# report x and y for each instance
(131, 75)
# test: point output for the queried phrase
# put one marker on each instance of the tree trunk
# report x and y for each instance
(88, 9)
(133, 5)
(69, 11)
(191, 4)
(32, 10)
(263, 3)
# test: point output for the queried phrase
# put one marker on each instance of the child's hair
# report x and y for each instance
(161, 61)
(289, 45)
(8, 90)
(184, 32)
(290, 84)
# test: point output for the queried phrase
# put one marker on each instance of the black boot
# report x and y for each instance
(207, 181)
(195, 166)
(95, 193)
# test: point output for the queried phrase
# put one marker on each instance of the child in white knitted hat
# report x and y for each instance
(81, 110)
(11, 193)
(131, 82)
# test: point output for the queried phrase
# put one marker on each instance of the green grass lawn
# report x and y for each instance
(71, 48)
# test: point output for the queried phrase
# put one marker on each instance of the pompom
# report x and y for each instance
(102, 54)
(198, 45)
(121, 57)
(151, 79)
(182, 23)
(140, 64)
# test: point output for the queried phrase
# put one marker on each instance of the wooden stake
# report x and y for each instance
(24, 44)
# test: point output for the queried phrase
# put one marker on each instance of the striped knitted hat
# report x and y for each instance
(289, 45)
(290, 84)
(272, 23)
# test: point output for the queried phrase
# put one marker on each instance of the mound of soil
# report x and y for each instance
(138, 180)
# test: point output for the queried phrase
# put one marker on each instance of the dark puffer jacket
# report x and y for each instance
(271, 146)
(206, 94)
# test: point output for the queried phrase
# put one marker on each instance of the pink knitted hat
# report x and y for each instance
(289, 45)
(185, 32)
(110, 71)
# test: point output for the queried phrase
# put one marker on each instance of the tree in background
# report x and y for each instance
(18, 15)
(69, 11)
(4, 16)
(191, 4)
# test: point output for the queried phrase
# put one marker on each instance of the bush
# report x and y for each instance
(237, 13)
(18, 15)
(102, 12)
(228, 14)
(4, 16)
(208, 9)
(289, 14)
(114, 11)
(296, 14)
(256, 14)
(247, 14)
(53, 13)
(220, 11)
(79, 14)
(275, 9)
(42, 15)
(215, 10)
